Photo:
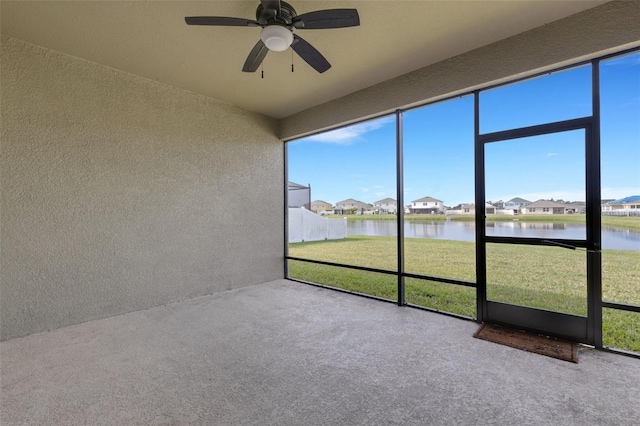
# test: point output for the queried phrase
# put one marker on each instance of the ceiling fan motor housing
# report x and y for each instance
(271, 17)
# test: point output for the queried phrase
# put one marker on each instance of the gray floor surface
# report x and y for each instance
(285, 353)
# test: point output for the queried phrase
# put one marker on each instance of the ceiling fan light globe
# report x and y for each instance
(276, 37)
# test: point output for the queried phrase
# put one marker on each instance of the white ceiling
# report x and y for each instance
(151, 39)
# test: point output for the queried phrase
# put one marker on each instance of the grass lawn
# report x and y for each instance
(543, 277)
(624, 222)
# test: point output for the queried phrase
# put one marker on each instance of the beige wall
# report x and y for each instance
(120, 193)
(603, 29)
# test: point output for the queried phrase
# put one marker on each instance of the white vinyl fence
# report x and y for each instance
(621, 213)
(305, 225)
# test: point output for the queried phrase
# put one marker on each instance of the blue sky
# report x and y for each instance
(359, 161)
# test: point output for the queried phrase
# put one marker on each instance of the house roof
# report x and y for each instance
(151, 39)
(350, 200)
(545, 203)
(385, 201)
(518, 200)
(319, 201)
(426, 199)
(625, 200)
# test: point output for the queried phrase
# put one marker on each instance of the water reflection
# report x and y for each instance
(612, 238)
(528, 225)
(537, 230)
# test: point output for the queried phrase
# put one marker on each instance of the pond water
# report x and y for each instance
(612, 238)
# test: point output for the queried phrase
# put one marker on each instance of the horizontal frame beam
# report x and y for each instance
(386, 271)
(538, 130)
(621, 306)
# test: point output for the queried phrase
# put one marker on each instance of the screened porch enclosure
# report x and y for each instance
(557, 263)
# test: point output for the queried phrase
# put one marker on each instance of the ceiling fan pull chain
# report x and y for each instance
(262, 70)
(291, 60)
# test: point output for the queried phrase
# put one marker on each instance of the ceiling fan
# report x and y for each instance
(278, 20)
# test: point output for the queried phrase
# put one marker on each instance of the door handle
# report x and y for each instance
(569, 246)
(555, 243)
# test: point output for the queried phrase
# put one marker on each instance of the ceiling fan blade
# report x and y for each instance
(255, 57)
(330, 18)
(220, 21)
(310, 54)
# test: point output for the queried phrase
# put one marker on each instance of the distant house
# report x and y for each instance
(544, 207)
(320, 207)
(516, 204)
(351, 206)
(386, 206)
(470, 208)
(575, 207)
(427, 205)
(623, 204)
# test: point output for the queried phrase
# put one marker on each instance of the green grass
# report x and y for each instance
(372, 283)
(622, 222)
(621, 276)
(621, 329)
(543, 277)
(457, 299)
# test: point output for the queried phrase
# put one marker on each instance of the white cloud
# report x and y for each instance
(628, 60)
(364, 189)
(556, 195)
(350, 134)
(617, 193)
(552, 154)
(606, 193)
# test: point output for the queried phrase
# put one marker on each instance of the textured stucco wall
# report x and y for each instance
(594, 32)
(120, 193)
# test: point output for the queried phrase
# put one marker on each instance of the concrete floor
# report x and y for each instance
(286, 353)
